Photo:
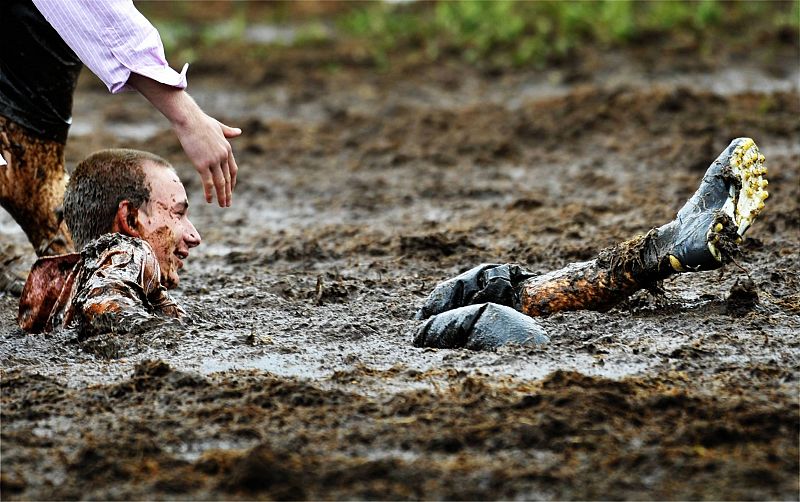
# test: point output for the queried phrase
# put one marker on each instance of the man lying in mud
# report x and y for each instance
(490, 305)
(128, 214)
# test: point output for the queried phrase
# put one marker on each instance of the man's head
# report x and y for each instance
(137, 194)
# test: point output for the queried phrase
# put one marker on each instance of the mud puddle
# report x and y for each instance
(350, 208)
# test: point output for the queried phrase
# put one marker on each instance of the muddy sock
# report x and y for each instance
(32, 187)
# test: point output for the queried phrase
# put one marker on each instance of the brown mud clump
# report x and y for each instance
(255, 435)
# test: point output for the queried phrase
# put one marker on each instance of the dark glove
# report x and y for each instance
(489, 282)
(479, 327)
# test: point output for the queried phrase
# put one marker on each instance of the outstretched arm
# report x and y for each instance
(124, 50)
(203, 138)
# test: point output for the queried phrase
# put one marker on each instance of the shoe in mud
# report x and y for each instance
(479, 327)
(709, 227)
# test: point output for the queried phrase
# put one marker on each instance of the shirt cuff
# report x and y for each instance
(162, 74)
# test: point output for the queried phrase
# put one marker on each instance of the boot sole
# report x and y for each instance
(747, 195)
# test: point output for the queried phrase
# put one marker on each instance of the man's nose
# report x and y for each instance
(192, 236)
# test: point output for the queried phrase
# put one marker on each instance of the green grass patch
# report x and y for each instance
(506, 32)
(487, 32)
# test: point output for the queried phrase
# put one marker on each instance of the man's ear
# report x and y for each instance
(126, 220)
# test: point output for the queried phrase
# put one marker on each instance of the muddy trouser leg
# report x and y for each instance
(703, 236)
(32, 187)
(476, 310)
(515, 294)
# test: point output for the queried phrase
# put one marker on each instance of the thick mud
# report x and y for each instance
(359, 190)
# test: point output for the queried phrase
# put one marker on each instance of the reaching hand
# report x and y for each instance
(205, 141)
(203, 138)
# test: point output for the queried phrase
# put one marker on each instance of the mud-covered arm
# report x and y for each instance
(122, 293)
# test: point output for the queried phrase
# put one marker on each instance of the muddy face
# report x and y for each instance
(164, 222)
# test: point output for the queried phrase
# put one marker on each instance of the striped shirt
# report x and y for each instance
(113, 39)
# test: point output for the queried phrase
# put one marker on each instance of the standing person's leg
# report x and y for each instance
(38, 76)
(32, 187)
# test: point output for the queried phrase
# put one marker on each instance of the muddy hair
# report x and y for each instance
(97, 186)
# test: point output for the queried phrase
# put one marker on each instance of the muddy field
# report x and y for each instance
(360, 190)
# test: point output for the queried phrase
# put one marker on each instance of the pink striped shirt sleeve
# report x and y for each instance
(112, 39)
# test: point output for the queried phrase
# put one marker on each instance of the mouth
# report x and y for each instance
(181, 255)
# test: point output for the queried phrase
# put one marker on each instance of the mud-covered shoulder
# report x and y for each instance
(118, 289)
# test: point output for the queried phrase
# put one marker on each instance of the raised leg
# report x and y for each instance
(704, 236)
(472, 310)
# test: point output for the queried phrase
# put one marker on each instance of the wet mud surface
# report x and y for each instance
(359, 190)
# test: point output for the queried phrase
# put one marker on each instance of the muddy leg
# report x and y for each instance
(488, 282)
(32, 187)
(704, 236)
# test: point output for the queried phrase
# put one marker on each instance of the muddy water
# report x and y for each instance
(295, 377)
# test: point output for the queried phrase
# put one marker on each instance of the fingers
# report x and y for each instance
(220, 178)
(229, 167)
(229, 132)
(206, 144)
(219, 185)
(226, 173)
(217, 180)
(234, 169)
(208, 184)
